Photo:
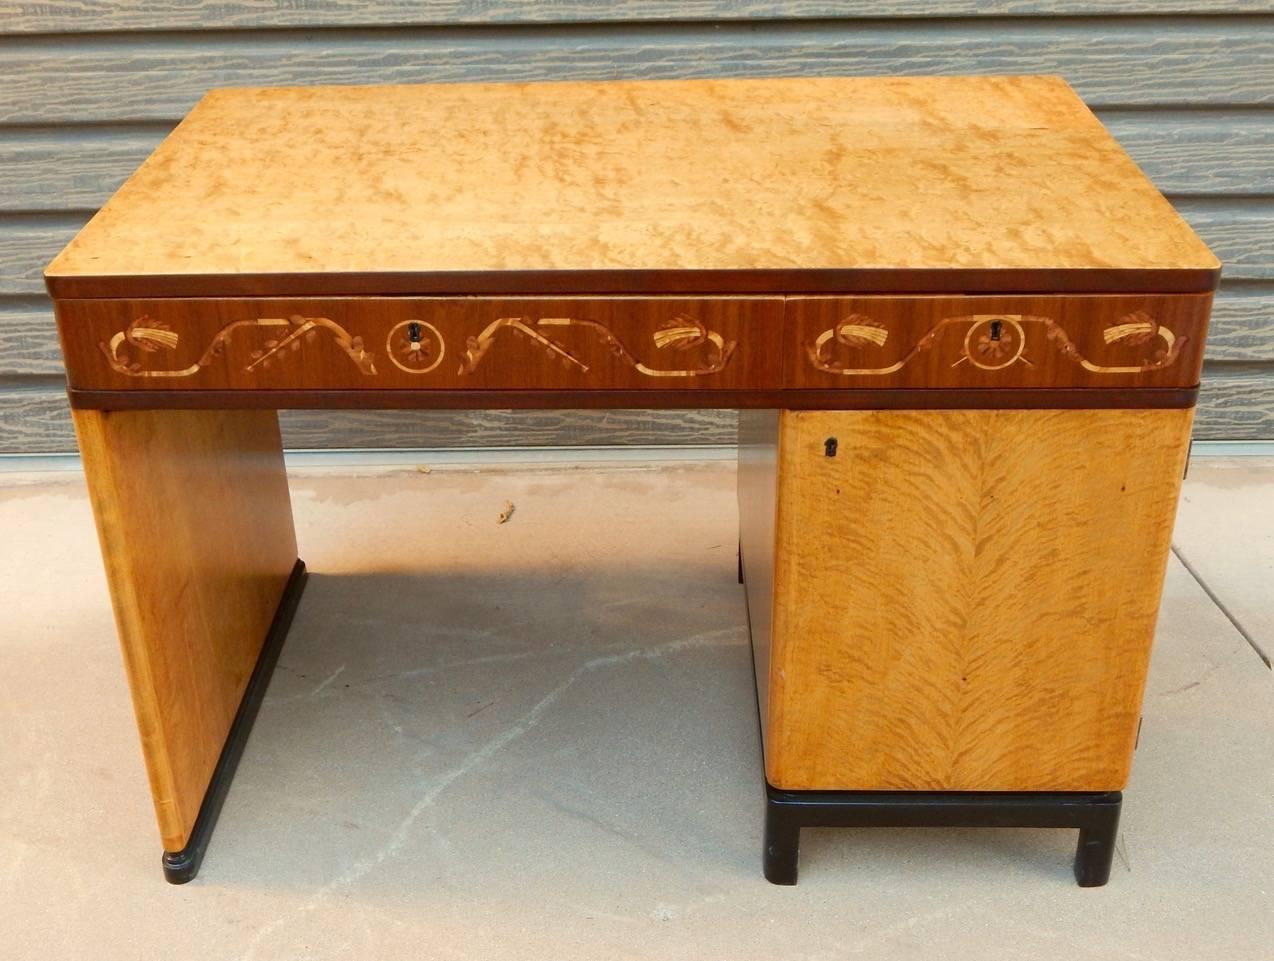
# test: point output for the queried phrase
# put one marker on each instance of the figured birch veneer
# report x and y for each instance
(193, 514)
(782, 185)
(961, 600)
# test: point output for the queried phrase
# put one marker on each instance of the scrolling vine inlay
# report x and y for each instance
(994, 342)
(682, 334)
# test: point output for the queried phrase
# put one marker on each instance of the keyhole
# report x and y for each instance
(829, 447)
(997, 328)
(413, 332)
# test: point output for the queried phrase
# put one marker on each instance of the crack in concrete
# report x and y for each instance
(475, 759)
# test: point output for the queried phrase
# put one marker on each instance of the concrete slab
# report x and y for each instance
(1225, 532)
(538, 739)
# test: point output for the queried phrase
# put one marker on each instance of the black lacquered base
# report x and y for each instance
(1096, 815)
(181, 866)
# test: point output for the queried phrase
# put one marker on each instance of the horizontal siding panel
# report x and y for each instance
(1236, 406)
(132, 78)
(1199, 152)
(28, 338)
(69, 170)
(1193, 152)
(26, 247)
(1240, 233)
(100, 15)
(1242, 327)
(36, 420)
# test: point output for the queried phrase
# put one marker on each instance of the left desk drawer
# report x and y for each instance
(452, 343)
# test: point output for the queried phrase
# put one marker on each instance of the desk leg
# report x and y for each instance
(195, 524)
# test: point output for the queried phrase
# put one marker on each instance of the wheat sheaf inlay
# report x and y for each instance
(287, 334)
(994, 342)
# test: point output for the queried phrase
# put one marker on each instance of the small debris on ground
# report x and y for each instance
(424, 469)
(506, 513)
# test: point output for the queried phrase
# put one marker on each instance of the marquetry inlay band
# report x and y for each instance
(994, 342)
(416, 346)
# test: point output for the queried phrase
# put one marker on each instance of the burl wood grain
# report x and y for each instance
(195, 524)
(965, 600)
(846, 184)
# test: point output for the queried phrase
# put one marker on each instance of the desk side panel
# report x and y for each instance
(195, 525)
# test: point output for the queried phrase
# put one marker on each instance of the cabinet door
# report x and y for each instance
(964, 600)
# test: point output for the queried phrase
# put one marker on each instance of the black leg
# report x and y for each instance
(181, 866)
(1096, 814)
(782, 845)
(1096, 850)
(740, 557)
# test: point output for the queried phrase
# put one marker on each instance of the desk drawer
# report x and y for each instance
(399, 343)
(1145, 340)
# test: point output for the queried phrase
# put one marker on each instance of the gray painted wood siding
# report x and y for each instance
(88, 88)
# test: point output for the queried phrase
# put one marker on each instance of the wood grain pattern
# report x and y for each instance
(965, 600)
(613, 180)
(1112, 62)
(196, 529)
(458, 343)
(92, 15)
(994, 342)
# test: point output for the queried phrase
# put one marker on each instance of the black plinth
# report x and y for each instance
(181, 866)
(1095, 814)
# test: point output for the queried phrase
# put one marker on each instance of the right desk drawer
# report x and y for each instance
(1010, 341)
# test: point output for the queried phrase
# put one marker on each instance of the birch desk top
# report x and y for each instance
(702, 243)
(943, 184)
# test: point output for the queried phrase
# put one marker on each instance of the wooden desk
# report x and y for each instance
(964, 331)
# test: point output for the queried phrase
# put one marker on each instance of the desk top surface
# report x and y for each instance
(740, 186)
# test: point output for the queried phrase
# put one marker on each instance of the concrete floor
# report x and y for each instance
(538, 739)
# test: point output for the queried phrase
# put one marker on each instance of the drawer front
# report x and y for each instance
(401, 343)
(1002, 341)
